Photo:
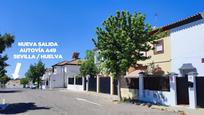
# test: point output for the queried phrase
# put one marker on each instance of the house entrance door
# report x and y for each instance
(200, 91)
(182, 90)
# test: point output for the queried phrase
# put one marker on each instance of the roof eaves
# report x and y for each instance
(59, 64)
(202, 14)
(181, 22)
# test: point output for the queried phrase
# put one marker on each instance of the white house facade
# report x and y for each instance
(46, 78)
(72, 78)
(57, 79)
(187, 44)
(64, 74)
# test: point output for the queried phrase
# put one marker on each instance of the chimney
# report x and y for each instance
(75, 55)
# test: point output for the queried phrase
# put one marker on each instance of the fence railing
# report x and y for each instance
(151, 82)
(158, 83)
(131, 83)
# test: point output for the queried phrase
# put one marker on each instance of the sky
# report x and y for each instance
(72, 23)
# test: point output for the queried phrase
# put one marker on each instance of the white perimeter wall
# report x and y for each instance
(56, 81)
(73, 71)
(187, 44)
(59, 78)
(76, 87)
(157, 97)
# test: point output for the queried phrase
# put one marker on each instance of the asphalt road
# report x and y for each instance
(58, 102)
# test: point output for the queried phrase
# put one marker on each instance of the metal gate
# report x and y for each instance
(104, 84)
(92, 84)
(182, 90)
(200, 91)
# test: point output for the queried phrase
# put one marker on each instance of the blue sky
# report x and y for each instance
(72, 23)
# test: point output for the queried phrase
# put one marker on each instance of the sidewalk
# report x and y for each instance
(185, 110)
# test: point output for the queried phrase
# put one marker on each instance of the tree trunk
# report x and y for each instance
(38, 82)
(119, 89)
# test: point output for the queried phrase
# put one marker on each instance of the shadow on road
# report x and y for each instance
(10, 91)
(17, 108)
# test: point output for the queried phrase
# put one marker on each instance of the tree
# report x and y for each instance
(4, 79)
(6, 41)
(88, 67)
(35, 72)
(122, 40)
(24, 81)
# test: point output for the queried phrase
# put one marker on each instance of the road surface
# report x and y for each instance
(62, 102)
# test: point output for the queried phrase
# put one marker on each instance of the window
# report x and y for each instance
(71, 80)
(202, 60)
(159, 47)
(78, 80)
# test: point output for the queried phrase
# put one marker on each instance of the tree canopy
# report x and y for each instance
(35, 72)
(6, 41)
(3, 80)
(24, 81)
(88, 67)
(122, 41)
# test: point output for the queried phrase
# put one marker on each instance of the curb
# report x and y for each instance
(163, 108)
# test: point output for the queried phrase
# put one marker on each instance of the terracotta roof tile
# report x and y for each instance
(72, 62)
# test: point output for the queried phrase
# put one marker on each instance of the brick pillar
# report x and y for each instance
(87, 83)
(97, 83)
(141, 85)
(173, 93)
(83, 84)
(67, 82)
(111, 85)
(192, 89)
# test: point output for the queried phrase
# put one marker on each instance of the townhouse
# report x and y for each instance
(179, 52)
(181, 49)
(64, 74)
